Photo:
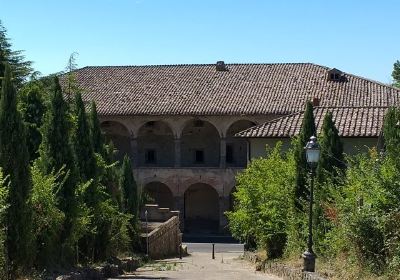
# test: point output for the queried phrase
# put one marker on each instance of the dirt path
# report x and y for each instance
(200, 266)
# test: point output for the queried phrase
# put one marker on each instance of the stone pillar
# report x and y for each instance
(134, 151)
(222, 157)
(177, 143)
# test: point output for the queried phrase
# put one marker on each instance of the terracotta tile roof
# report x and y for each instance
(350, 121)
(245, 89)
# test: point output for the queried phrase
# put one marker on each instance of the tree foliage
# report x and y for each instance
(307, 130)
(263, 201)
(32, 107)
(14, 159)
(396, 74)
(331, 161)
(20, 67)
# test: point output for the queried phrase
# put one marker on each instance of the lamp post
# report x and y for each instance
(147, 234)
(312, 154)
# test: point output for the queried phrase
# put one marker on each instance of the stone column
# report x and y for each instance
(222, 157)
(134, 151)
(177, 143)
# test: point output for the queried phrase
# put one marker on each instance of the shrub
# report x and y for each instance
(262, 201)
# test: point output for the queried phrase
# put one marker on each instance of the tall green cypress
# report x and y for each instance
(56, 152)
(130, 199)
(96, 134)
(32, 108)
(396, 74)
(128, 186)
(391, 133)
(85, 157)
(331, 161)
(14, 159)
(307, 130)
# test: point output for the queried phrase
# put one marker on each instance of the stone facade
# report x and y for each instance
(185, 163)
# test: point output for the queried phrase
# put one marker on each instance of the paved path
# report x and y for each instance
(227, 265)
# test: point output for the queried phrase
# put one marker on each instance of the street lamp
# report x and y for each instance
(312, 154)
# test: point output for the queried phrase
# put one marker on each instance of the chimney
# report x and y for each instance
(220, 66)
(315, 102)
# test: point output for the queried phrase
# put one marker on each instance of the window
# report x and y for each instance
(229, 153)
(150, 156)
(199, 156)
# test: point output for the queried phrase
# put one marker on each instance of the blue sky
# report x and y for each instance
(357, 36)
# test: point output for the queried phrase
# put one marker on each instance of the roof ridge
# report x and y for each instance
(197, 64)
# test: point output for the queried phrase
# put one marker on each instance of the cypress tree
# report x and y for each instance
(85, 158)
(307, 130)
(331, 160)
(14, 159)
(130, 199)
(32, 108)
(396, 74)
(96, 134)
(129, 188)
(391, 132)
(56, 152)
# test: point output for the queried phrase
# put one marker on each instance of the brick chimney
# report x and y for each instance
(315, 101)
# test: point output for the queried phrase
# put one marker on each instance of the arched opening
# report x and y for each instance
(160, 194)
(200, 144)
(119, 135)
(155, 144)
(236, 148)
(201, 209)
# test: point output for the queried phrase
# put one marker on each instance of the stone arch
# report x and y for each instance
(119, 134)
(200, 144)
(155, 144)
(237, 148)
(160, 193)
(201, 209)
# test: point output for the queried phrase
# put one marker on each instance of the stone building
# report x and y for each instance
(178, 122)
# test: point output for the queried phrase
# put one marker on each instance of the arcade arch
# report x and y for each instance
(200, 144)
(161, 194)
(201, 209)
(119, 135)
(155, 145)
(236, 148)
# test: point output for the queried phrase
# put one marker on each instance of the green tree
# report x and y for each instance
(85, 158)
(14, 159)
(263, 202)
(96, 134)
(48, 219)
(56, 152)
(32, 108)
(396, 74)
(3, 226)
(307, 130)
(391, 132)
(130, 200)
(20, 67)
(331, 162)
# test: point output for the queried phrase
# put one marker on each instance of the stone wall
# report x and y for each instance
(281, 270)
(165, 237)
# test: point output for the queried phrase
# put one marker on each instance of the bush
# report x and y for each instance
(263, 201)
(48, 219)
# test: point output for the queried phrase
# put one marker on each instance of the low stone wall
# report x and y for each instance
(281, 270)
(165, 238)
